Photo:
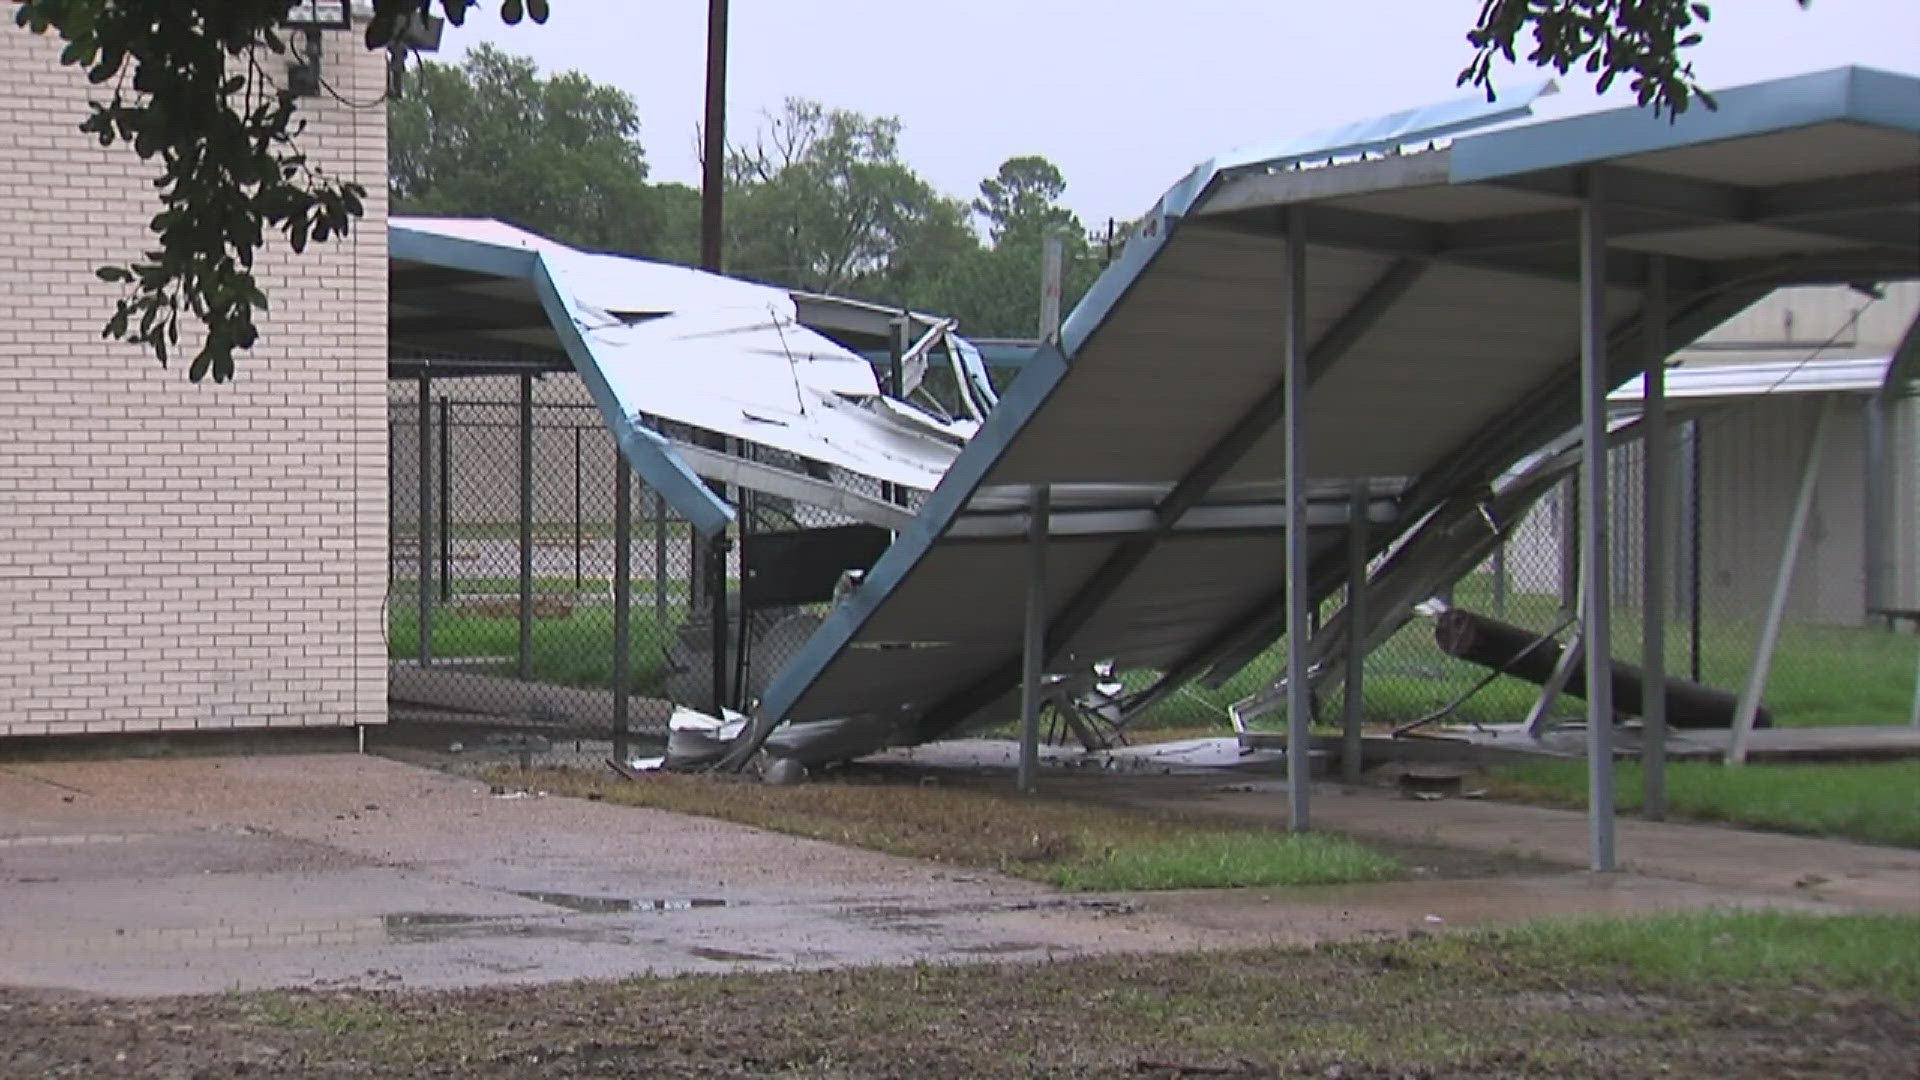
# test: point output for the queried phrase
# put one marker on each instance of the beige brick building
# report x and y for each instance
(177, 556)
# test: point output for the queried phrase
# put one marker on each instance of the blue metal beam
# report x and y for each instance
(657, 463)
(650, 454)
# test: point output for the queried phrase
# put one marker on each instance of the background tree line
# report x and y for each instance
(819, 198)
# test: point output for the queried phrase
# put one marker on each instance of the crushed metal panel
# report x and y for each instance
(655, 342)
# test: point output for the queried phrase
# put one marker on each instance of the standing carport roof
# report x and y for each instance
(1442, 322)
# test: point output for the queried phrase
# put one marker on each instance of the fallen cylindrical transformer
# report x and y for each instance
(1504, 647)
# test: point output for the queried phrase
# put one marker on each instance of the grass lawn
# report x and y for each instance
(574, 650)
(1877, 801)
(1821, 675)
(491, 585)
(1067, 844)
(544, 532)
(1718, 994)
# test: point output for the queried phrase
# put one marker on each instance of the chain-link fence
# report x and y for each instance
(502, 584)
(503, 611)
(1845, 654)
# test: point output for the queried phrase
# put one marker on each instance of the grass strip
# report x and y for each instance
(1878, 802)
(1878, 954)
(1079, 846)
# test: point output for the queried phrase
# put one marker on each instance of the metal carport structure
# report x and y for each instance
(708, 385)
(1409, 318)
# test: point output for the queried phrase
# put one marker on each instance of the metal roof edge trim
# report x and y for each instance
(650, 454)
(1443, 119)
(459, 253)
(1862, 95)
(1381, 134)
(1746, 382)
(1037, 380)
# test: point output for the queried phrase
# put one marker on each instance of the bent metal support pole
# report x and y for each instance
(1596, 556)
(1654, 544)
(1299, 693)
(1034, 640)
(1782, 584)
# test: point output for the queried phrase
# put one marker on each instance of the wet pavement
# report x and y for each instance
(200, 875)
(155, 877)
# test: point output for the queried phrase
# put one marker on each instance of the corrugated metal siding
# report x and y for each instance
(1795, 323)
(1752, 457)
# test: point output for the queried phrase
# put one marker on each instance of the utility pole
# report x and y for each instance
(713, 157)
(710, 565)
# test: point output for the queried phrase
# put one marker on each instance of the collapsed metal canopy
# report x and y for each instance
(774, 369)
(1442, 311)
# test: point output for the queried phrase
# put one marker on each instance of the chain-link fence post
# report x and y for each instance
(525, 518)
(578, 524)
(423, 518)
(446, 500)
(622, 602)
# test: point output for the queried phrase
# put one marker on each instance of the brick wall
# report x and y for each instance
(179, 556)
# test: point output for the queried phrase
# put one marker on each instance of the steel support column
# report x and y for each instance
(1782, 586)
(424, 521)
(1034, 640)
(1299, 693)
(1354, 705)
(1875, 413)
(1594, 550)
(525, 665)
(1656, 464)
(1695, 532)
(622, 603)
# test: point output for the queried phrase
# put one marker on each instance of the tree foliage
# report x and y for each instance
(1021, 200)
(1644, 41)
(187, 90)
(821, 201)
(489, 137)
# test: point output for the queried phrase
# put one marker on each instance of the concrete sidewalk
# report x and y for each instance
(154, 877)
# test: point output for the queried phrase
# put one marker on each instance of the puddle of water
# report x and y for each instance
(604, 905)
(405, 919)
(586, 905)
(727, 955)
(682, 905)
(997, 948)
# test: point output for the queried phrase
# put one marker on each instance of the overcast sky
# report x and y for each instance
(1125, 97)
